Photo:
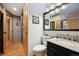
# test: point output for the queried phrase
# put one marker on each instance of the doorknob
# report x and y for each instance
(4, 32)
(25, 32)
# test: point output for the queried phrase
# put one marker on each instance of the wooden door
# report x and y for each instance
(7, 31)
(25, 29)
(57, 24)
(4, 29)
(10, 33)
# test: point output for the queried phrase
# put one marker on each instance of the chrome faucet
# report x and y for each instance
(75, 38)
(58, 35)
(67, 36)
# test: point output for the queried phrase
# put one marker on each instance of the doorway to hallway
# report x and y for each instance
(15, 33)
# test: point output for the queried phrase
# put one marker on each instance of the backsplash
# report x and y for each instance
(70, 35)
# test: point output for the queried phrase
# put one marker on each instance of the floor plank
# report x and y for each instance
(15, 50)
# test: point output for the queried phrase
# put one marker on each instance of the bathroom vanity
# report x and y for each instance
(62, 47)
(58, 23)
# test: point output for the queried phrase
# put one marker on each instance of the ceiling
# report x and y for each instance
(38, 8)
(10, 6)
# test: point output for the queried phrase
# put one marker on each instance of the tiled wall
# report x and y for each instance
(53, 33)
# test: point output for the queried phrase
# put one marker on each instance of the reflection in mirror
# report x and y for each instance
(52, 25)
(62, 17)
(64, 24)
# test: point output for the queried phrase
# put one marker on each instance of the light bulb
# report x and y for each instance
(14, 9)
(47, 10)
(64, 7)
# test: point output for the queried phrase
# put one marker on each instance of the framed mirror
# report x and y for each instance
(64, 17)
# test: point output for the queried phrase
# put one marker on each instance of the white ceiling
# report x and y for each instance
(10, 6)
(38, 8)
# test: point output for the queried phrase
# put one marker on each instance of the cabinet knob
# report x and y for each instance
(4, 32)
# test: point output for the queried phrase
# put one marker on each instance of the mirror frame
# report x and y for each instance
(55, 29)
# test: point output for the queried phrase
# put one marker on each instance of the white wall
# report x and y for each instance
(35, 30)
(16, 31)
(35, 34)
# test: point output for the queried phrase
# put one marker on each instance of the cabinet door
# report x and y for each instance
(57, 50)
(52, 51)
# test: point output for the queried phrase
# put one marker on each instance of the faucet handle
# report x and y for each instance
(58, 35)
(67, 36)
(75, 38)
(61, 36)
(70, 37)
(78, 38)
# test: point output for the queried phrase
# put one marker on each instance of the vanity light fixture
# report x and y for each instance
(63, 7)
(57, 11)
(58, 4)
(52, 6)
(51, 13)
(47, 10)
(55, 8)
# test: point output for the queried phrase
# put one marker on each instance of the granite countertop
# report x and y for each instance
(65, 43)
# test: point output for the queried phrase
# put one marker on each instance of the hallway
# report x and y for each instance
(14, 29)
(15, 50)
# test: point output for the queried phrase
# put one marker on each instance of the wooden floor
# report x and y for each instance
(15, 50)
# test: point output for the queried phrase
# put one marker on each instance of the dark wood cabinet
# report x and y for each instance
(1, 32)
(56, 50)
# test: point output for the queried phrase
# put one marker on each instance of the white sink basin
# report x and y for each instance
(65, 43)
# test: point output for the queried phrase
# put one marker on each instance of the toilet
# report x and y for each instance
(40, 49)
